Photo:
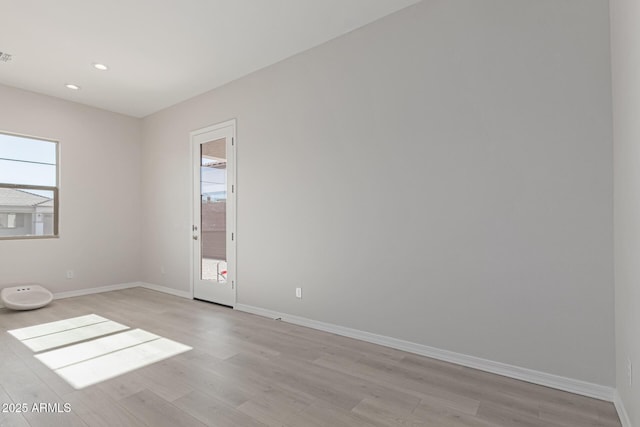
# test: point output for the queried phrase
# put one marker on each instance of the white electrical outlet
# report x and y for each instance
(70, 274)
(298, 292)
(630, 372)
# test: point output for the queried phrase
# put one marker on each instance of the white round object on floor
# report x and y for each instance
(25, 297)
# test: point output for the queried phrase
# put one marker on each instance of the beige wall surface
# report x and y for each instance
(625, 52)
(100, 207)
(442, 176)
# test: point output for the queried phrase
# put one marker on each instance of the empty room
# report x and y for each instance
(320, 213)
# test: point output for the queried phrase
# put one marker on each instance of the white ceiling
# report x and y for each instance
(161, 52)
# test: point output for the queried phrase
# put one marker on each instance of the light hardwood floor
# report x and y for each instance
(246, 370)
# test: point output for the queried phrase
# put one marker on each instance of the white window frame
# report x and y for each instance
(54, 189)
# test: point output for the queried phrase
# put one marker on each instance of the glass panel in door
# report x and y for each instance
(213, 211)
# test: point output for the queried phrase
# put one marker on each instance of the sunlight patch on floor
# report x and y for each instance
(59, 326)
(111, 365)
(59, 339)
(83, 355)
(59, 358)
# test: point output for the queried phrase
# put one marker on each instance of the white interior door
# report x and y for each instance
(214, 208)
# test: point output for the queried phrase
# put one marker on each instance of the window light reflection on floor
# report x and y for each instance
(58, 326)
(89, 362)
(59, 339)
(111, 365)
(59, 358)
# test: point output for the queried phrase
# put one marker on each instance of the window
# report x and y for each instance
(28, 187)
(8, 220)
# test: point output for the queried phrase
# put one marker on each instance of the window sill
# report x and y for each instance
(28, 237)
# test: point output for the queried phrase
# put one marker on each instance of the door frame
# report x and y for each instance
(231, 205)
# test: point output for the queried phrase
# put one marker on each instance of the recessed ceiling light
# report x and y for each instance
(100, 67)
(72, 87)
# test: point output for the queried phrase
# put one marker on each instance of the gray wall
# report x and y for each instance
(100, 185)
(625, 52)
(442, 176)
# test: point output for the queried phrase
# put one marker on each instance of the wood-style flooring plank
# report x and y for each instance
(9, 415)
(96, 408)
(214, 412)
(157, 412)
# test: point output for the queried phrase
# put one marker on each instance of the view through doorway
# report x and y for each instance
(214, 214)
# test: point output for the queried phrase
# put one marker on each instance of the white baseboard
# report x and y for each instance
(164, 289)
(99, 289)
(536, 377)
(117, 287)
(622, 412)
(89, 291)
